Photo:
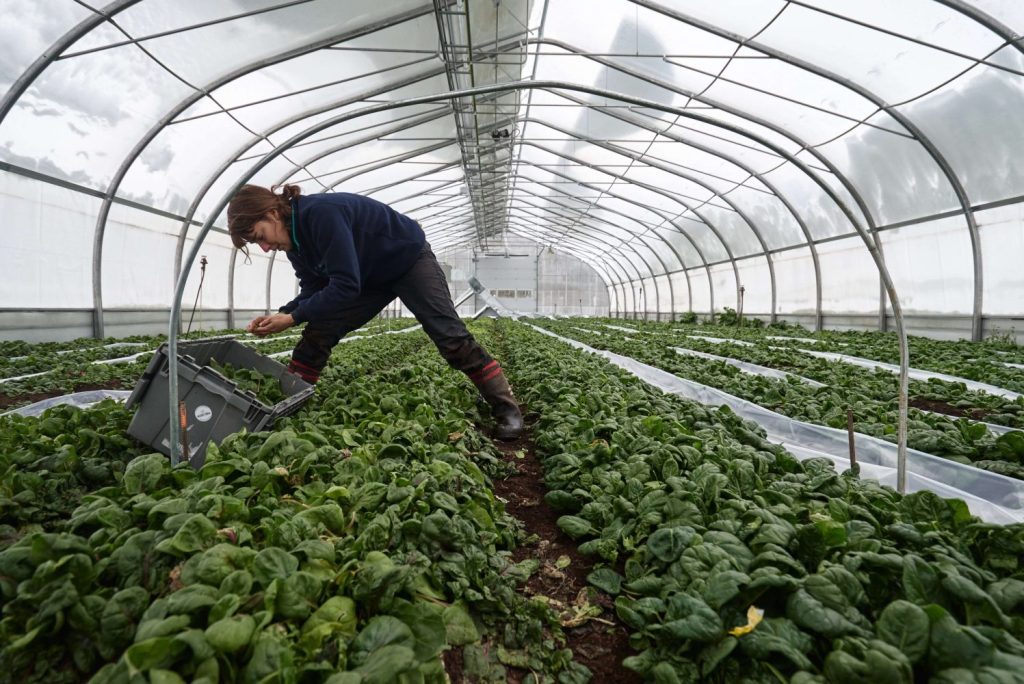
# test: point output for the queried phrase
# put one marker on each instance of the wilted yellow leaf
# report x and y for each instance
(754, 617)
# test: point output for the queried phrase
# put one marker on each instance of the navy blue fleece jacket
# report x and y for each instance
(344, 244)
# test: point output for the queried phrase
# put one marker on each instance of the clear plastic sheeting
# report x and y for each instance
(750, 368)
(916, 374)
(264, 340)
(808, 340)
(992, 497)
(80, 399)
(23, 377)
(992, 427)
(721, 340)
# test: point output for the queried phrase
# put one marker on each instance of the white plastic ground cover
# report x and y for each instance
(721, 340)
(914, 372)
(264, 340)
(120, 359)
(631, 331)
(1013, 365)
(22, 377)
(113, 345)
(992, 427)
(810, 340)
(751, 368)
(755, 369)
(591, 332)
(992, 497)
(101, 362)
(123, 359)
(79, 399)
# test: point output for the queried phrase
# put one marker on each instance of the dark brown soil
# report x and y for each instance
(7, 400)
(948, 409)
(452, 659)
(601, 643)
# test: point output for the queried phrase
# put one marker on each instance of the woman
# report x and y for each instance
(353, 255)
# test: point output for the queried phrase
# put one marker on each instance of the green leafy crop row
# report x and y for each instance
(354, 544)
(733, 562)
(871, 395)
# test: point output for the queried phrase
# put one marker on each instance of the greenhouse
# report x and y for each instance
(534, 341)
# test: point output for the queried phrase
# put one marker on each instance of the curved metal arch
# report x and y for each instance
(610, 285)
(685, 268)
(672, 222)
(600, 266)
(629, 154)
(416, 176)
(517, 85)
(621, 264)
(252, 142)
(655, 164)
(227, 163)
(437, 72)
(27, 77)
(869, 236)
(442, 184)
(580, 221)
(739, 113)
(285, 177)
(467, 211)
(440, 70)
(667, 273)
(919, 135)
(151, 134)
(52, 53)
(612, 248)
(987, 20)
(874, 249)
(405, 156)
(613, 265)
(583, 246)
(643, 225)
(804, 228)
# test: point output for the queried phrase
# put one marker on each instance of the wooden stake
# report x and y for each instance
(849, 432)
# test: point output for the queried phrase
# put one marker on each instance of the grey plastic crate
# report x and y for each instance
(215, 406)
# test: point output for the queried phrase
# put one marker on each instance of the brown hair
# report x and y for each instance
(252, 203)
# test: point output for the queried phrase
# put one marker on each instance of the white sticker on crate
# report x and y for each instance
(203, 413)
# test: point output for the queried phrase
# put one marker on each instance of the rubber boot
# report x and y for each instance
(508, 420)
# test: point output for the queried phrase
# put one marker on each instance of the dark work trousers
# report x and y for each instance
(424, 291)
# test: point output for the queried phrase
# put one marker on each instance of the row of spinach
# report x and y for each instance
(732, 561)
(79, 368)
(872, 396)
(983, 362)
(355, 543)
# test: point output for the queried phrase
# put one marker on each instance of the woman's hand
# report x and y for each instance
(267, 325)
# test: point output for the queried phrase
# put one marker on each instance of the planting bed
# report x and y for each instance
(378, 536)
(872, 395)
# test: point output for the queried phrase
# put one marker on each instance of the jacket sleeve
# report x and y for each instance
(334, 248)
(308, 285)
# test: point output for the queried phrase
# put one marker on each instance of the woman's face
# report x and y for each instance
(270, 233)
